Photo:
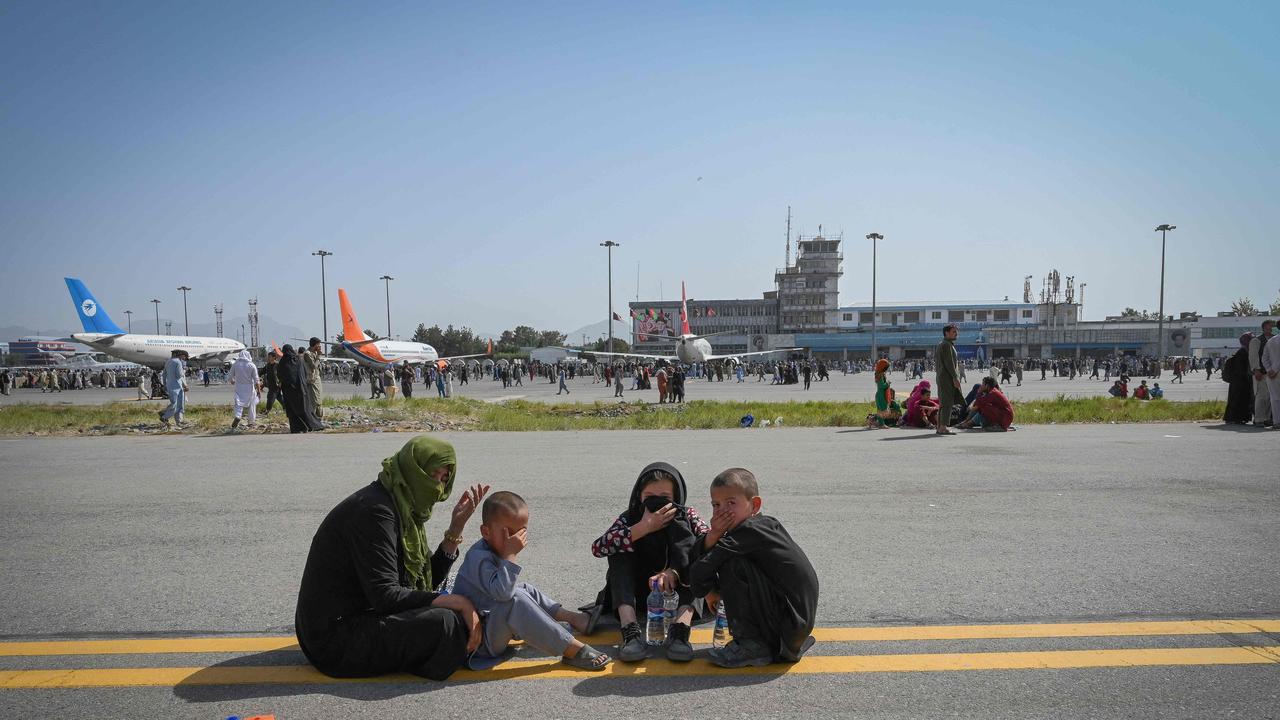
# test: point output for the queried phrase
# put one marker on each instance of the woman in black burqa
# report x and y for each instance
(293, 394)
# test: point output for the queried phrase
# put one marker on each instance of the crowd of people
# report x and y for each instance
(376, 599)
(1252, 375)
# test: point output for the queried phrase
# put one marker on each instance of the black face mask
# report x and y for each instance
(656, 503)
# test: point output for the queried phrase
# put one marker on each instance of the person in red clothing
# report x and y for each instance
(990, 410)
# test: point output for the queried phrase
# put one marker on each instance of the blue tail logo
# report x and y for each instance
(92, 315)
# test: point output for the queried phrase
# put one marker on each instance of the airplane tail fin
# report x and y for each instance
(93, 316)
(684, 312)
(351, 330)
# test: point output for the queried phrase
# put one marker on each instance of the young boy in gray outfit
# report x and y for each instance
(510, 609)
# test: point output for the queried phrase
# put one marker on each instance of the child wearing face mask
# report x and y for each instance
(769, 587)
(648, 543)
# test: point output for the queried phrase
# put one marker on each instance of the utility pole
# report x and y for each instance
(157, 304)
(324, 294)
(186, 325)
(784, 267)
(129, 314)
(875, 348)
(1164, 231)
(610, 245)
(387, 281)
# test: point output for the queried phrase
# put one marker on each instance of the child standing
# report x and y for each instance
(648, 543)
(510, 609)
(769, 588)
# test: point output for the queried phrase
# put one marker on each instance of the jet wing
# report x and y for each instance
(754, 352)
(104, 340)
(451, 358)
(671, 356)
(217, 354)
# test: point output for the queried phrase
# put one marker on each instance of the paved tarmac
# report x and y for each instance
(859, 387)
(182, 536)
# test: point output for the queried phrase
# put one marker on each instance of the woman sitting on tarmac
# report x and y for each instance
(369, 603)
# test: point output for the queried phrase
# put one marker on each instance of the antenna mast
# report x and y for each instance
(217, 312)
(788, 238)
(253, 322)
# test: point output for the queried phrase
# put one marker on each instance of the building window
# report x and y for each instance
(955, 316)
(910, 317)
(848, 317)
(1026, 314)
(864, 318)
(1002, 315)
(935, 315)
(980, 315)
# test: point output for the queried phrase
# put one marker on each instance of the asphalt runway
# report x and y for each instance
(858, 387)
(205, 536)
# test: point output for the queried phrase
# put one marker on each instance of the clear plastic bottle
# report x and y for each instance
(720, 637)
(670, 603)
(655, 630)
(447, 587)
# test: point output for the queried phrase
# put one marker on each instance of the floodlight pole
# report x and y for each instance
(1164, 232)
(324, 294)
(186, 324)
(387, 281)
(610, 245)
(875, 349)
(157, 304)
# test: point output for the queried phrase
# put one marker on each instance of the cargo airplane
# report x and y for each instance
(103, 335)
(379, 354)
(689, 348)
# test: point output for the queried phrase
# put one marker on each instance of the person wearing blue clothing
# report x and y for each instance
(175, 383)
(563, 388)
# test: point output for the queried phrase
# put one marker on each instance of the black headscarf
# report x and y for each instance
(669, 547)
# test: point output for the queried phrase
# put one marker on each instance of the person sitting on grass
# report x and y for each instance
(1157, 392)
(991, 409)
(648, 543)
(1119, 390)
(922, 409)
(1142, 392)
(768, 586)
(490, 579)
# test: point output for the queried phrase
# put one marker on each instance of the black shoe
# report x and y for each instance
(633, 648)
(677, 644)
(742, 653)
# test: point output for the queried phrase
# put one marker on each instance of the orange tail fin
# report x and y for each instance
(684, 312)
(351, 330)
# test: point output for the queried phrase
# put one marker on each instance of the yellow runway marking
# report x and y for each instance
(823, 634)
(546, 669)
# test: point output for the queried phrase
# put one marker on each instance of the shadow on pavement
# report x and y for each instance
(1234, 427)
(641, 686)
(916, 436)
(201, 686)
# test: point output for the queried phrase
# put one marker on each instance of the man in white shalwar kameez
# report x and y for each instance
(244, 376)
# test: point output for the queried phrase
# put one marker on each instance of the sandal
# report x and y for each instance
(588, 658)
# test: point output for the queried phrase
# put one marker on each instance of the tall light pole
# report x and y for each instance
(1164, 231)
(324, 293)
(186, 326)
(610, 245)
(875, 348)
(157, 304)
(129, 314)
(388, 279)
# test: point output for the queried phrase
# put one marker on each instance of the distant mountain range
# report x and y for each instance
(598, 330)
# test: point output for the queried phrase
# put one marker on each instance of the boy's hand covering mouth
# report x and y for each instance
(721, 523)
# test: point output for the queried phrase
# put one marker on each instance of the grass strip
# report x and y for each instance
(434, 414)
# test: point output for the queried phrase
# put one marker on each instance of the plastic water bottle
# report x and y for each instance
(670, 602)
(656, 631)
(720, 637)
(447, 587)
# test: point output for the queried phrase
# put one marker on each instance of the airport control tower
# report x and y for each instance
(809, 290)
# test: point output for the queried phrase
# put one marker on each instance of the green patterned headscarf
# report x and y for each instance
(407, 476)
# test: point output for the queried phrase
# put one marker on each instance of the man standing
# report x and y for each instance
(175, 382)
(271, 381)
(1261, 395)
(1271, 362)
(244, 376)
(311, 359)
(948, 378)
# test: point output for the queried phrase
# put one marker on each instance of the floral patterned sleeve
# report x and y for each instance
(617, 539)
(700, 528)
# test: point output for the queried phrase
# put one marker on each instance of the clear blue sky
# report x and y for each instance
(479, 152)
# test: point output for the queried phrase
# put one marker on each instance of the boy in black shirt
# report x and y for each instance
(769, 588)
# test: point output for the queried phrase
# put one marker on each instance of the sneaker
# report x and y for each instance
(633, 648)
(677, 644)
(163, 421)
(742, 653)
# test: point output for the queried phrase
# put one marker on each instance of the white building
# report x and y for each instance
(1220, 336)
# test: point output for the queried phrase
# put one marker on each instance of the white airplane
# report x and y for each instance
(690, 348)
(103, 335)
(378, 354)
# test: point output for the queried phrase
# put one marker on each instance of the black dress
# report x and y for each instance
(769, 588)
(1239, 387)
(293, 394)
(357, 615)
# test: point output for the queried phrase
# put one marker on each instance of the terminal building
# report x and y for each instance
(803, 311)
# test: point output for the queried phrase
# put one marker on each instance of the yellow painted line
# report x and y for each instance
(158, 646)
(548, 669)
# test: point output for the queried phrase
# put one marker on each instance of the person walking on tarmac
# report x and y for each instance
(271, 382)
(244, 376)
(175, 382)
